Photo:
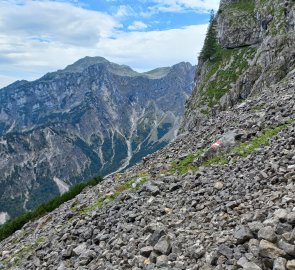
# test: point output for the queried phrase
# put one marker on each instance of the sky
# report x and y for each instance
(40, 36)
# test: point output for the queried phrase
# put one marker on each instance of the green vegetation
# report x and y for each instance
(133, 184)
(242, 150)
(184, 165)
(22, 253)
(221, 67)
(211, 44)
(247, 148)
(274, 8)
(217, 160)
(242, 5)
(224, 70)
(10, 227)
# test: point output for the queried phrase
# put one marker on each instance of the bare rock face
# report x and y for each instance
(236, 27)
(254, 50)
(92, 118)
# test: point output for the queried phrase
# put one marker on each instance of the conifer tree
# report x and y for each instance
(211, 43)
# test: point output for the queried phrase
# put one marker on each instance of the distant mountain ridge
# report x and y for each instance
(93, 117)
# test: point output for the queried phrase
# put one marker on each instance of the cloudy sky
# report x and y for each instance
(40, 36)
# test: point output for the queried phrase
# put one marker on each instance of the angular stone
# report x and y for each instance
(282, 228)
(155, 236)
(199, 252)
(267, 233)
(162, 261)
(279, 264)
(243, 234)
(291, 218)
(146, 251)
(270, 250)
(80, 249)
(254, 247)
(225, 250)
(251, 266)
(87, 255)
(153, 189)
(67, 253)
(281, 214)
(163, 246)
(291, 265)
(242, 261)
(288, 248)
(153, 257)
(255, 226)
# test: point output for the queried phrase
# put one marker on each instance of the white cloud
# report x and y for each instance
(55, 21)
(146, 50)
(182, 5)
(137, 25)
(42, 36)
(124, 11)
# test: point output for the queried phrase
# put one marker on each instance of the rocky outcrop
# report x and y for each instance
(94, 117)
(255, 50)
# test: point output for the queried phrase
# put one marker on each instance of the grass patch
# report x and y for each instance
(242, 5)
(184, 165)
(11, 226)
(242, 150)
(21, 254)
(222, 71)
(132, 185)
(247, 148)
(217, 160)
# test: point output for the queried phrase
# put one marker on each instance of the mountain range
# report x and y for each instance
(92, 118)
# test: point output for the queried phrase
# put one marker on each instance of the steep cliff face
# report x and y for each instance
(255, 50)
(92, 118)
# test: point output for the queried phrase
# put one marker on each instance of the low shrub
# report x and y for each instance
(15, 224)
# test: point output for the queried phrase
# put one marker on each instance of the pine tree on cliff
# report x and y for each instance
(211, 44)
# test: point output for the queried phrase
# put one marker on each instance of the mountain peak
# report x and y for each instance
(84, 63)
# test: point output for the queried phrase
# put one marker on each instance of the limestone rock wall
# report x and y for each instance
(255, 50)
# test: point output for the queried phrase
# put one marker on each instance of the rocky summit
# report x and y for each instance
(92, 118)
(220, 196)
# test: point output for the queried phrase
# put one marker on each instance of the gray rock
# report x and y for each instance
(267, 233)
(282, 228)
(155, 236)
(281, 214)
(243, 234)
(162, 261)
(153, 189)
(255, 226)
(270, 250)
(254, 247)
(279, 264)
(291, 218)
(288, 248)
(80, 249)
(226, 251)
(251, 266)
(146, 251)
(163, 246)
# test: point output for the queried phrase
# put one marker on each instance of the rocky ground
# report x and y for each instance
(233, 208)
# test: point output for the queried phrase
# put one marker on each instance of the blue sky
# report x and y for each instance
(42, 35)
